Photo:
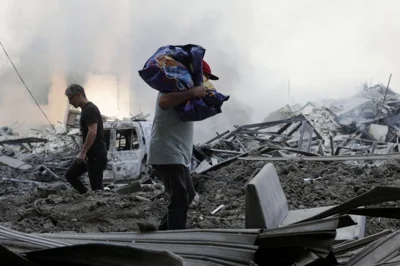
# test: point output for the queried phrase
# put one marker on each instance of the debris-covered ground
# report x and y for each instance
(28, 204)
(333, 183)
(57, 207)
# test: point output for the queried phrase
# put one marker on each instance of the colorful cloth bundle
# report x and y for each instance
(178, 68)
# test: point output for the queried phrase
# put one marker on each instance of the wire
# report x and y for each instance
(23, 82)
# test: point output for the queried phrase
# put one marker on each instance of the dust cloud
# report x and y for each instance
(326, 49)
(54, 43)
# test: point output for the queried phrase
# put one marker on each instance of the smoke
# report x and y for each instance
(325, 49)
(54, 43)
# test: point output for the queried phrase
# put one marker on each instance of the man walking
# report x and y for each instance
(93, 155)
(170, 152)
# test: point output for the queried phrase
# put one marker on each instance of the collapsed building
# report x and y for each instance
(316, 183)
(365, 124)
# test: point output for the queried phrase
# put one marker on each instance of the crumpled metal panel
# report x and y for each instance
(238, 254)
(390, 212)
(374, 196)
(359, 243)
(312, 226)
(27, 238)
(380, 251)
(305, 243)
(10, 258)
(348, 249)
(103, 255)
(300, 248)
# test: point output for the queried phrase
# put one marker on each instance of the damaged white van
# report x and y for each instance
(127, 145)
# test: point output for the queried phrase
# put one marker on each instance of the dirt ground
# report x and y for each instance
(56, 207)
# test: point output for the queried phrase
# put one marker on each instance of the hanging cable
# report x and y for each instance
(23, 82)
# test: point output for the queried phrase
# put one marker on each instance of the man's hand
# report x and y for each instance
(198, 92)
(81, 158)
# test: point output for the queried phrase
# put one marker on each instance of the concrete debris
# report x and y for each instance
(320, 238)
(14, 163)
(359, 125)
(42, 156)
(46, 154)
(324, 154)
(51, 207)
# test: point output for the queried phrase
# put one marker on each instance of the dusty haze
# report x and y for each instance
(326, 48)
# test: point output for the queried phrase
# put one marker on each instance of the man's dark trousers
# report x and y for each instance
(96, 164)
(179, 188)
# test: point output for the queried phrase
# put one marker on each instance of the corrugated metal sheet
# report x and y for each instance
(380, 251)
(102, 254)
(308, 242)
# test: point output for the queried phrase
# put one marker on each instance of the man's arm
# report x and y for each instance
(172, 99)
(91, 136)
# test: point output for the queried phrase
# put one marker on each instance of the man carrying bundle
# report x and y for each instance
(170, 152)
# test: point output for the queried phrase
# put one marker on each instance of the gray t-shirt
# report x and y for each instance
(171, 139)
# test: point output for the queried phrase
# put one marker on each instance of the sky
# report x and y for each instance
(327, 49)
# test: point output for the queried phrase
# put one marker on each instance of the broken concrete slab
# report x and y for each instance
(14, 163)
(267, 207)
(266, 204)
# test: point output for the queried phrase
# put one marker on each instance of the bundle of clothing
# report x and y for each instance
(178, 68)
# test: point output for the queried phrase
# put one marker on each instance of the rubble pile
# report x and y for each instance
(325, 154)
(42, 156)
(45, 155)
(54, 208)
(306, 185)
(365, 124)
